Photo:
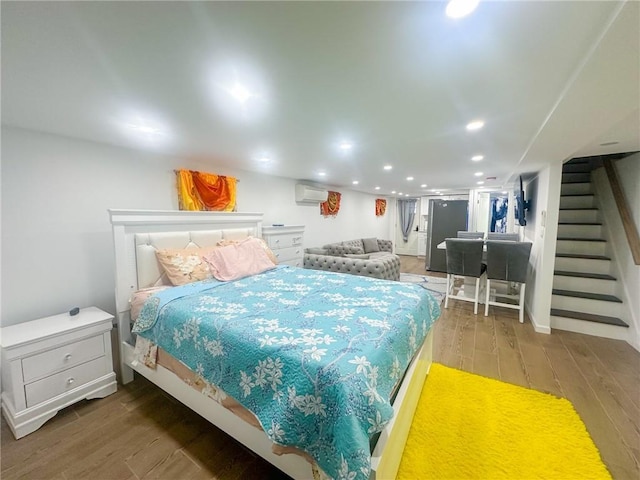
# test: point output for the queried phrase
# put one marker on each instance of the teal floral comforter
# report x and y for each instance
(314, 355)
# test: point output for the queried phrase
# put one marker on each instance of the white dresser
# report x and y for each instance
(286, 243)
(52, 362)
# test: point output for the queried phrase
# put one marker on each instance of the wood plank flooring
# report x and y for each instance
(142, 433)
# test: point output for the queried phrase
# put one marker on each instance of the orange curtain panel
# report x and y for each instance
(205, 191)
(332, 205)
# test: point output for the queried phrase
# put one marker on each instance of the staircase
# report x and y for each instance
(584, 290)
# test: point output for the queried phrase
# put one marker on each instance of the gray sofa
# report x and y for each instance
(370, 257)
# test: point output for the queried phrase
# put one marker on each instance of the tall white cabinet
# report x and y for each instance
(286, 242)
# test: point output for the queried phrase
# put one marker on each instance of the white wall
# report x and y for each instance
(543, 192)
(57, 249)
(625, 270)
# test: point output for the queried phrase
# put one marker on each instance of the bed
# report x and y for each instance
(310, 337)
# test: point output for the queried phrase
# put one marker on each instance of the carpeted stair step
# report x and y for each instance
(586, 301)
(584, 257)
(599, 276)
(580, 239)
(589, 317)
(588, 282)
(587, 295)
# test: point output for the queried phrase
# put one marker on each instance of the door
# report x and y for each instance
(446, 218)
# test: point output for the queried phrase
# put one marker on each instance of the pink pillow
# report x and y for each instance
(238, 260)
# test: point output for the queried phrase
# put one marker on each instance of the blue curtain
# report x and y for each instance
(407, 210)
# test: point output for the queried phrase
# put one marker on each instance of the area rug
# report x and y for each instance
(436, 285)
(470, 427)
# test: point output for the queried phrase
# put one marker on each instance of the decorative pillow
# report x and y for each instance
(370, 245)
(239, 260)
(185, 265)
(138, 298)
(263, 244)
(316, 251)
(357, 255)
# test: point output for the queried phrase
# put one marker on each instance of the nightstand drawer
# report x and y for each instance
(297, 262)
(290, 253)
(42, 364)
(64, 381)
(284, 240)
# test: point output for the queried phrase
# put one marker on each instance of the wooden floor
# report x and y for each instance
(140, 432)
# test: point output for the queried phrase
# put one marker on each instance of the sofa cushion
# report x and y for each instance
(370, 245)
(317, 251)
(362, 256)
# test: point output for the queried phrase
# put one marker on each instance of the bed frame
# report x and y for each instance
(136, 236)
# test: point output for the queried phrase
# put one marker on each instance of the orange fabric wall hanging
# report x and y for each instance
(205, 191)
(381, 206)
(332, 205)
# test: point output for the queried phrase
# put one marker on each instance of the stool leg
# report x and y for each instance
(475, 305)
(486, 303)
(522, 290)
(446, 297)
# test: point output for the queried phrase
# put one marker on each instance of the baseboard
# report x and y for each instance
(536, 325)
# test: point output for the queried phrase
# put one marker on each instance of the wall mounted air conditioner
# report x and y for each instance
(309, 194)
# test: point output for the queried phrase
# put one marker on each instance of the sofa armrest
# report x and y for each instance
(386, 267)
(385, 245)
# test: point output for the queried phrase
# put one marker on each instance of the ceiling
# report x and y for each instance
(397, 80)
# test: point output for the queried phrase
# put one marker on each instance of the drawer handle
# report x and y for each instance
(70, 381)
(67, 357)
(278, 240)
(277, 255)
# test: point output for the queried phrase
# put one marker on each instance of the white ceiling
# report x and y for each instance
(400, 80)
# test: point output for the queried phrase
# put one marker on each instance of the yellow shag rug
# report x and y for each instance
(468, 426)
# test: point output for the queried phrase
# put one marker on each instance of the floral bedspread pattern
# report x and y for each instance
(314, 355)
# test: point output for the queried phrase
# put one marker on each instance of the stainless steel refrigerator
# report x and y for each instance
(446, 218)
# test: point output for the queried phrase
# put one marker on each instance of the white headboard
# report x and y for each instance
(138, 233)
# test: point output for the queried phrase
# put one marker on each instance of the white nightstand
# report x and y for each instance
(286, 243)
(52, 362)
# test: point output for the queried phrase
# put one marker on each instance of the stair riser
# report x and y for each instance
(575, 188)
(598, 307)
(583, 265)
(583, 248)
(581, 231)
(577, 202)
(579, 284)
(589, 328)
(576, 177)
(578, 216)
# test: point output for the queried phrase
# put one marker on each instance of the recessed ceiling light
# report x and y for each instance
(345, 146)
(409, 178)
(480, 182)
(478, 174)
(400, 193)
(240, 93)
(406, 194)
(460, 8)
(377, 188)
(387, 167)
(355, 182)
(393, 191)
(424, 185)
(505, 192)
(477, 158)
(475, 125)
(440, 193)
(322, 174)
